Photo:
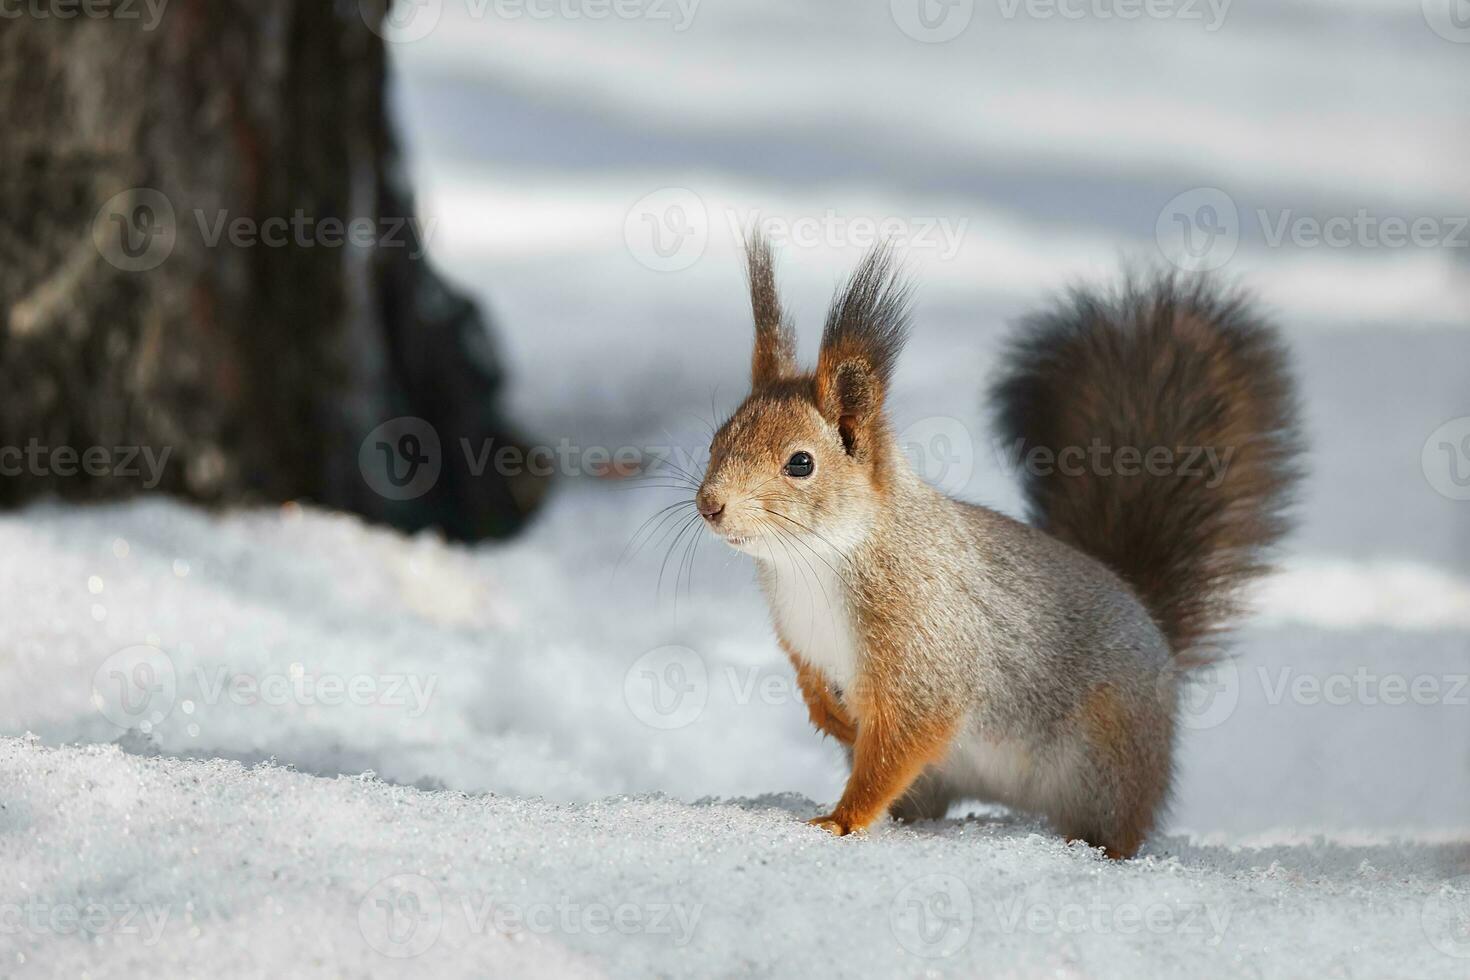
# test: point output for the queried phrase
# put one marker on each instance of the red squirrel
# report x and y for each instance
(961, 654)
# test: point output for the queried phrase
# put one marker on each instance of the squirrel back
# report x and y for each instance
(1180, 375)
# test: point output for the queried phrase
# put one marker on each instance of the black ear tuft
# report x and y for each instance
(867, 327)
(774, 357)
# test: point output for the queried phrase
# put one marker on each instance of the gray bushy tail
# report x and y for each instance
(1163, 365)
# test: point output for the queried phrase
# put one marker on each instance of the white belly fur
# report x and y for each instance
(1000, 771)
(814, 617)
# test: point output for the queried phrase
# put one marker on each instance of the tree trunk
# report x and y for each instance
(207, 252)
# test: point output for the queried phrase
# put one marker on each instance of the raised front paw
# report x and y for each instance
(829, 722)
(831, 825)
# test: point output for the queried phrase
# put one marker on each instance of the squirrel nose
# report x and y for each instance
(710, 508)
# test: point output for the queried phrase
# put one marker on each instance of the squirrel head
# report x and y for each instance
(805, 459)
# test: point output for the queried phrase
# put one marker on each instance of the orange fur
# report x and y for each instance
(1114, 738)
(893, 746)
(826, 712)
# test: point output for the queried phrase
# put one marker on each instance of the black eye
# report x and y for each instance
(800, 464)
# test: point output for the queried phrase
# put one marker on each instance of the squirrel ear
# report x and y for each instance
(866, 329)
(852, 397)
(775, 340)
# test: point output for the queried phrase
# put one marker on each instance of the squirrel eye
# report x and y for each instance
(800, 464)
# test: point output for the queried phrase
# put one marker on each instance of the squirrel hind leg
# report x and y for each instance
(1123, 772)
(1119, 825)
(1110, 852)
(927, 799)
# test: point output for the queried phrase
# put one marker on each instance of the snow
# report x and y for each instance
(505, 748)
(559, 736)
(128, 866)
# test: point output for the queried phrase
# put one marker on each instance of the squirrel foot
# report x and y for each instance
(831, 825)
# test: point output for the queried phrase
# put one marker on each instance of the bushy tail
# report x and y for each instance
(1196, 384)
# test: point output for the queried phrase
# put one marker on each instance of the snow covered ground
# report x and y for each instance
(128, 866)
(579, 769)
(545, 793)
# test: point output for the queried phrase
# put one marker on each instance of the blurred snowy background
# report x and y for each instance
(587, 179)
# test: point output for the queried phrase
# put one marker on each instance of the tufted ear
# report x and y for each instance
(866, 329)
(775, 340)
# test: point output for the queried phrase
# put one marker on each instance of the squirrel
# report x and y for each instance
(956, 652)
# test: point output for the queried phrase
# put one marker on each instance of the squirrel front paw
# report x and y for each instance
(831, 825)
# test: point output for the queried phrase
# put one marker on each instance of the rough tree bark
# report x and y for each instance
(260, 370)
